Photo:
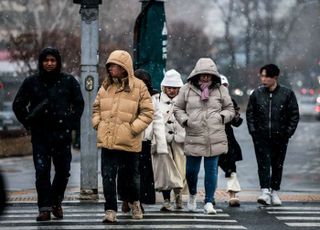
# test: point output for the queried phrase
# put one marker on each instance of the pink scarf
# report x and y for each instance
(204, 86)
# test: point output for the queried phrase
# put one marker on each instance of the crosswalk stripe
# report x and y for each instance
(126, 220)
(101, 214)
(294, 212)
(293, 208)
(297, 218)
(95, 227)
(303, 224)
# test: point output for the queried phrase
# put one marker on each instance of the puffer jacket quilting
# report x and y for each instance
(205, 130)
(121, 116)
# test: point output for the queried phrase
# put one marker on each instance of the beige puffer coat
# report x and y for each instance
(205, 129)
(120, 115)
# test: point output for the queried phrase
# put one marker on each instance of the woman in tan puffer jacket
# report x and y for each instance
(121, 112)
(203, 107)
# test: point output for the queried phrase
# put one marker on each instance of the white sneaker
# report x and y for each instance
(275, 199)
(265, 197)
(208, 208)
(192, 203)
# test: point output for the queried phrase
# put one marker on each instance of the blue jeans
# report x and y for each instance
(210, 177)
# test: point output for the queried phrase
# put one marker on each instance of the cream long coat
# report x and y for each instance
(121, 114)
(169, 169)
(174, 131)
(156, 130)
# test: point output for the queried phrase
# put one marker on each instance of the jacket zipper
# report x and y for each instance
(270, 102)
(206, 128)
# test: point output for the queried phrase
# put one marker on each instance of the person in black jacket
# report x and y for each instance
(49, 104)
(272, 118)
(227, 162)
(3, 196)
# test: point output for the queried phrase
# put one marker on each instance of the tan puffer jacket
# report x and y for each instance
(121, 114)
(205, 128)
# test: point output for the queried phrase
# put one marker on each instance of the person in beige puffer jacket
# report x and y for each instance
(122, 110)
(203, 107)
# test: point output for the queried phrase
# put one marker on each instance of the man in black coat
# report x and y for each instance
(272, 118)
(50, 104)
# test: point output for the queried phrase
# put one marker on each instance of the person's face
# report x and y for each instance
(267, 81)
(171, 91)
(204, 78)
(49, 63)
(116, 71)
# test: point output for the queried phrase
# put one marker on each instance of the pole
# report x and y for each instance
(89, 87)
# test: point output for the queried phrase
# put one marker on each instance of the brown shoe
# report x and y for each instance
(44, 216)
(234, 202)
(110, 216)
(57, 211)
(136, 210)
(125, 206)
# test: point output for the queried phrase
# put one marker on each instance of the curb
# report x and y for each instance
(73, 194)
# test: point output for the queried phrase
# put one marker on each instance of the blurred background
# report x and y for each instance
(240, 35)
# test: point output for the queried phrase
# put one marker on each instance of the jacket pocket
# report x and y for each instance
(101, 132)
(124, 136)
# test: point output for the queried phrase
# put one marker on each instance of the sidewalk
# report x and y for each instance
(73, 194)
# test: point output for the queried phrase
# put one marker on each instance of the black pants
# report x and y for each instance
(60, 153)
(147, 191)
(227, 164)
(111, 162)
(3, 197)
(270, 153)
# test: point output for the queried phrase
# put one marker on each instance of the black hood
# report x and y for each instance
(54, 52)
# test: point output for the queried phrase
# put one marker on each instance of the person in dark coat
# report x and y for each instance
(272, 118)
(227, 162)
(50, 104)
(156, 131)
(3, 196)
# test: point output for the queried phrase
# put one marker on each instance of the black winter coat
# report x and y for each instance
(61, 106)
(272, 114)
(234, 154)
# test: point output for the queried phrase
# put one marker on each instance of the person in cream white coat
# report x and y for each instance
(175, 135)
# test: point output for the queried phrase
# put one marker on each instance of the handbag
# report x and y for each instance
(166, 173)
